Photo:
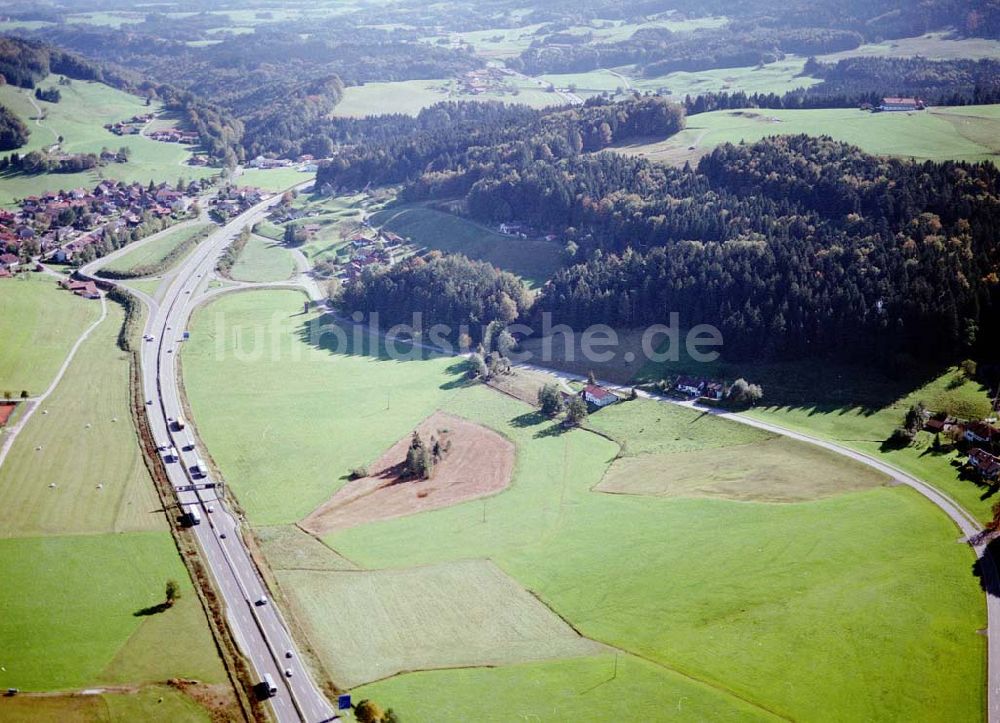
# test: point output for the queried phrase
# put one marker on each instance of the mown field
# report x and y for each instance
(961, 134)
(534, 260)
(39, 323)
(82, 437)
(263, 260)
(738, 609)
(867, 427)
(86, 556)
(79, 118)
(778, 77)
(410, 96)
(145, 704)
(933, 46)
(69, 613)
(274, 179)
(156, 252)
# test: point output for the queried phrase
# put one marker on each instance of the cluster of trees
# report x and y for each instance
(790, 246)
(49, 95)
(13, 132)
(465, 295)
(272, 91)
(658, 51)
(758, 33)
(421, 457)
(468, 137)
(552, 403)
(41, 162)
(940, 82)
(795, 246)
(232, 253)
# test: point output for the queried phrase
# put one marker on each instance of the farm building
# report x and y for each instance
(901, 104)
(598, 396)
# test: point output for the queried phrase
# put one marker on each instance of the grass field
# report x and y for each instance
(933, 46)
(147, 286)
(82, 437)
(775, 470)
(383, 624)
(69, 619)
(933, 135)
(274, 179)
(587, 689)
(159, 702)
(39, 323)
(155, 252)
(79, 118)
(534, 260)
(263, 260)
(778, 77)
(861, 603)
(410, 96)
(866, 428)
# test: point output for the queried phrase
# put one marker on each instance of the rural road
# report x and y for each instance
(259, 628)
(970, 528)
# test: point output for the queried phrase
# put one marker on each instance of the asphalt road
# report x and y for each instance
(970, 528)
(258, 626)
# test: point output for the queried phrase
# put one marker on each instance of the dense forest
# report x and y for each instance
(790, 246)
(13, 132)
(466, 137)
(452, 290)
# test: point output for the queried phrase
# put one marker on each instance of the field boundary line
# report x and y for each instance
(13, 432)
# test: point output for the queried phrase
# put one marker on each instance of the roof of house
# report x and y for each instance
(9, 259)
(900, 101)
(688, 382)
(982, 430)
(598, 392)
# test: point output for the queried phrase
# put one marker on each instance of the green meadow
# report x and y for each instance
(411, 96)
(69, 617)
(966, 134)
(39, 323)
(79, 118)
(157, 252)
(263, 260)
(846, 598)
(83, 441)
(274, 179)
(534, 260)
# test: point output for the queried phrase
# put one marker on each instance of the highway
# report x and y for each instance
(257, 624)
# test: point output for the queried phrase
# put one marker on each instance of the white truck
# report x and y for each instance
(193, 515)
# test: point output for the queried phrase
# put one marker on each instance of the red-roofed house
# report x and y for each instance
(901, 104)
(981, 433)
(985, 463)
(598, 396)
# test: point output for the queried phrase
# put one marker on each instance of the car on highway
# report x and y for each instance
(262, 600)
(288, 653)
(288, 672)
(222, 535)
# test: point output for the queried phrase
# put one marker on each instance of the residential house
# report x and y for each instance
(598, 396)
(985, 463)
(689, 385)
(981, 433)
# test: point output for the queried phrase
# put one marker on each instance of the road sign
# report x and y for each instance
(344, 702)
